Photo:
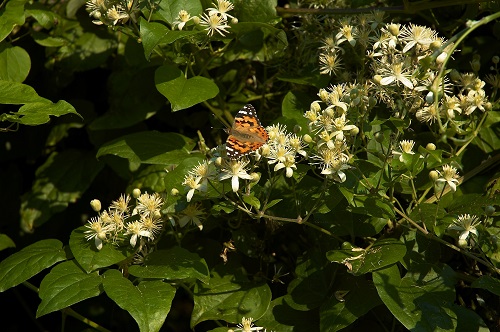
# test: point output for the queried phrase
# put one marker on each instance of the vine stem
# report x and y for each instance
(70, 312)
(452, 246)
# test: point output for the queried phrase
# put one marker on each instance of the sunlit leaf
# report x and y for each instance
(182, 92)
(148, 303)
(65, 285)
(30, 261)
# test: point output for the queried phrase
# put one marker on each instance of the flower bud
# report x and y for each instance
(441, 57)
(433, 175)
(330, 112)
(265, 150)
(429, 98)
(487, 106)
(455, 75)
(174, 192)
(435, 45)
(315, 107)
(377, 79)
(196, 20)
(234, 20)
(307, 138)
(462, 243)
(430, 146)
(489, 210)
(379, 137)
(323, 94)
(136, 192)
(297, 129)
(394, 29)
(255, 176)
(495, 59)
(95, 204)
(354, 131)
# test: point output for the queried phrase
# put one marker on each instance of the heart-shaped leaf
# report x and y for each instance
(182, 92)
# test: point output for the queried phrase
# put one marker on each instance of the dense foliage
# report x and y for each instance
(365, 198)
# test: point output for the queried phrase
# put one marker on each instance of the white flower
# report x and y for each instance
(235, 169)
(214, 23)
(149, 205)
(288, 164)
(182, 18)
(193, 183)
(137, 230)
(223, 6)
(466, 225)
(191, 215)
(406, 147)
(395, 72)
(246, 325)
(97, 231)
(449, 176)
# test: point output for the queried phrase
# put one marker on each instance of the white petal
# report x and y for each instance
(235, 184)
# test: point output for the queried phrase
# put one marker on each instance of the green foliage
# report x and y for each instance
(372, 205)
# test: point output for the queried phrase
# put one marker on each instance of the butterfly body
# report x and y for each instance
(246, 134)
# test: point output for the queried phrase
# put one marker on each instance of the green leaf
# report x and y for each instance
(36, 110)
(148, 303)
(46, 40)
(311, 287)
(6, 242)
(489, 283)
(373, 206)
(229, 299)
(149, 147)
(91, 259)
(61, 180)
(181, 92)
(294, 105)
(252, 201)
(487, 140)
(12, 15)
(65, 285)
(283, 318)
(354, 297)
(15, 63)
(256, 11)
(359, 261)
(154, 34)
(432, 216)
(157, 179)
(424, 298)
(168, 10)
(43, 15)
(30, 261)
(173, 264)
(272, 203)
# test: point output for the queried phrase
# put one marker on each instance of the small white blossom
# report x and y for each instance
(214, 23)
(235, 169)
(449, 176)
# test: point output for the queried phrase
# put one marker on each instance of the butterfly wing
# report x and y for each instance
(246, 134)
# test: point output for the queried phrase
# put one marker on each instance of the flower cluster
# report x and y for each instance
(403, 71)
(120, 221)
(331, 132)
(282, 151)
(110, 12)
(214, 20)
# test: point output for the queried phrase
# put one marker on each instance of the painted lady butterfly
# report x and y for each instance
(246, 134)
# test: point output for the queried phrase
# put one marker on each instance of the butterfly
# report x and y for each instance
(246, 134)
